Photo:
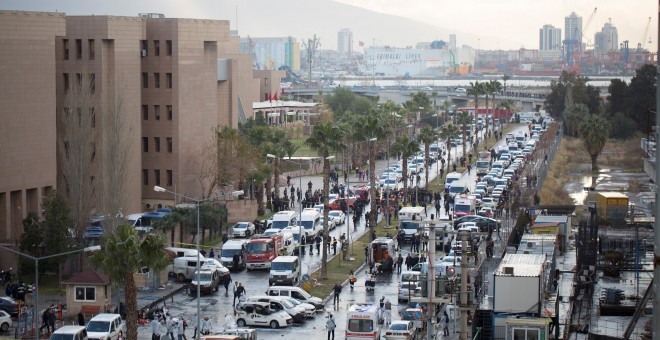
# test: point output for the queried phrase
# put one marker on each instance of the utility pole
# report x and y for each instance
(656, 229)
(311, 46)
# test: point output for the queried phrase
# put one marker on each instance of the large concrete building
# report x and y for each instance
(28, 139)
(272, 53)
(178, 80)
(607, 39)
(549, 38)
(345, 42)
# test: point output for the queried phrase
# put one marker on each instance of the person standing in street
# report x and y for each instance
(235, 293)
(336, 290)
(445, 324)
(399, 264)
(330, 325)
(387, 316)
(194, 324)
(226, 283)
(155, 328)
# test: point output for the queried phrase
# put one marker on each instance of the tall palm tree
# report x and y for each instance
(496, 88)
(123, 255)
(476, 89)
(448, 131)
(594, 132)
(446, 105)
(505, 77)
(280, 146)
(406, 147)
(373, 126)
(464, 119)
(487, 91)
(427, 136)
(574, 116)
(326, 137)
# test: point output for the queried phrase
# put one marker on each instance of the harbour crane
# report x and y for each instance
(642, 43)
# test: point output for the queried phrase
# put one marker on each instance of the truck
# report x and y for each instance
(406, 216)
(261, 250)
(464, 205)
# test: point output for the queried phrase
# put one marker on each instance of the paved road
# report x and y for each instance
(256, 282)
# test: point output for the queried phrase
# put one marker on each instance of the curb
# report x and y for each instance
(343, 284)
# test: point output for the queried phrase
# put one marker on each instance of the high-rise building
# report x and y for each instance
(345, 42)
(573, 28)
(549, 38)
(28, 140)
(607, 39)
(452, 42)
(272, 53)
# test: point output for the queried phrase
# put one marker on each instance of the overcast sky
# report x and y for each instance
(518, 21)
(487, 24)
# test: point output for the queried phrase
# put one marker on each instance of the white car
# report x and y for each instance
(401, 330)
(243, 229)
(5, 321)
(271, 232)
(331, 222)
(215, 264)
(260, 314)
(338, 216)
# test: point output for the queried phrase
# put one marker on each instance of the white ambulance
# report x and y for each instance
(363, 322)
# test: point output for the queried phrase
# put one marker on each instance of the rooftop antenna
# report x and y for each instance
(311, 46)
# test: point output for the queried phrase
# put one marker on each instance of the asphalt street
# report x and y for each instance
(217, 305)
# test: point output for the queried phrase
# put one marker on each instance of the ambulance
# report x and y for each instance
(363, 322)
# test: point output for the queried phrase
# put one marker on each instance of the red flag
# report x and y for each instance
(270, 97)
(361, 43)
(282, 92)
(275, 97)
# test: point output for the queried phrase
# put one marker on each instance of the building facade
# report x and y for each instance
(177, 80)
(272, 53)
(549, 38)
(607, 39)
(27, 111)
(345, 42)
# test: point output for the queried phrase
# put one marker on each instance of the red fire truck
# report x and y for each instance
(262, 250)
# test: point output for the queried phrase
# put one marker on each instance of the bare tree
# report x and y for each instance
(116, 137)
(77, 148)
(207, 164)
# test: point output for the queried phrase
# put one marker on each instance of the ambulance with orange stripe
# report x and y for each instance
(363, 322)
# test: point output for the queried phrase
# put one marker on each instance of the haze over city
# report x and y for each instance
(502, 24)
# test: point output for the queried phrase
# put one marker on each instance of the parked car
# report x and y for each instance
(338, 216)
(244, 229)
(9, 305)
(260, 314)
(401, 330)
(331, 222)
(5, 321)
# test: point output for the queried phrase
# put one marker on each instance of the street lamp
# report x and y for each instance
(197, 202)
(371, 175)
(36, 274)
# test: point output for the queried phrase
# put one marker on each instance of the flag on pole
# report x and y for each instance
(270, 97)
(275, 97)
(282, 93)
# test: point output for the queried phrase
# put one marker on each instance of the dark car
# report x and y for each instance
(9, 305)
(484, 223)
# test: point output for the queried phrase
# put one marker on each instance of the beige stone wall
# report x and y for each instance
(27, 121)
(103, 299)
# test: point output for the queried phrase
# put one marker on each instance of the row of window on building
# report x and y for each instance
(156, 112)
(91, 49)
(157, 180)
(145, 80)
(156, 144)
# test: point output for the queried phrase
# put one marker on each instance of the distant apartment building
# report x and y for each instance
(27, 111)
(549, 38)
(573, 28)
(345, 42)
(272, 53)
(178, 80)
(607, 39)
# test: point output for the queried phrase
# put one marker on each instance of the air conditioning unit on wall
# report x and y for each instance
(149, 206)
(143, 53)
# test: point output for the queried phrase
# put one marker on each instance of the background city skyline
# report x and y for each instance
(504, 24)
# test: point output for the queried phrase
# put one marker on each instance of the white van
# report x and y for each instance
(260, 314)
(231, 248)
(406, 216)
(452, 176)
(296, 293)
(181, 252)
(105, 326)
(310, 219)
(283, 219)
(284, 270)
(70, 333)
(183, 268)
(363, 322)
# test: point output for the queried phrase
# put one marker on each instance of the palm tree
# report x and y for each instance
(574, 116)
(427, 136)
(594, 132)
(505, 77)
(448, 131)
(446, 105)
(406, 147)
(326, 137)
(373, 126)
(495, 87)
(464, 118)
(122, 256)
(509, 105)
(476, 89)
(486, 90)
(280, 146)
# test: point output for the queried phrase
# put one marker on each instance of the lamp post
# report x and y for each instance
(198, 203)
(300, 245)
(36, 274)
(371, 175)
